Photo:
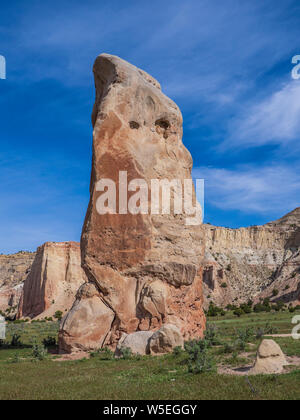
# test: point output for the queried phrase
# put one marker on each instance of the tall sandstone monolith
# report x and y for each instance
(147, 268)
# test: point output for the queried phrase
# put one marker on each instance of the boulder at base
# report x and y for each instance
(165, 340)
(87, 324)
(269, 360)
(137, 342)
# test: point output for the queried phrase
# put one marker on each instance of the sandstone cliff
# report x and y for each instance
(53, 281)
(249, 263)
(13, 271)
(144, 270)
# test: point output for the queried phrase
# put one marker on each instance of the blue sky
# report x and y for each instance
(226, 63)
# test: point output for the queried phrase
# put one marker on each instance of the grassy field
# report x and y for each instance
(163, 378)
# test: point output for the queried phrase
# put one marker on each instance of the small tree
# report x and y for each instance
(238, 312)
(58, 315)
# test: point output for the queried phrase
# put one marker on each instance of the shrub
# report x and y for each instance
(269, 329)
(16, 341)
(194, 347)
(199, 360)
(247, 309)
(214, 310)
(259, 333)
(238, 312)
(262, 308)
(58, 315)
(231, 307)
(279, 307)
(49, 342)
(38, 351)
(15, 358)
(126, 353)
(178, 351)
(211, 336)
(275, 292)
(204, 363)
(243, 337)
(103, 354)
(228, 348)
(224, 285)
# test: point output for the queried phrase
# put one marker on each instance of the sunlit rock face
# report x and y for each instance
(253, 262)
(147, 268)
(54, 278)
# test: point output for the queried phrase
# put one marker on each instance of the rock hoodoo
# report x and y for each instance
(269, 360)
(146, 267)
(53, 281)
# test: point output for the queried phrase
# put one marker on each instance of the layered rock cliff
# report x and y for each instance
(13, 271)
(53, 281)
(144, 269)
(253, 263)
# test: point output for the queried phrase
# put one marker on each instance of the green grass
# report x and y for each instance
(161, 378)
(282, 321)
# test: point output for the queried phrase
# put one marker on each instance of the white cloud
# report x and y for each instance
(275, 120)
(252, 190)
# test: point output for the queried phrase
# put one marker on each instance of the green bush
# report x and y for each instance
(238, 312)
(16, 341)
(58, 315)
(214, 310)
(259, 333)
(15, 358)
(198, 358)
(178, 351)
(243, 336)
(246, 308)
(228, 348)
(39, 352)
(49, 341)
(126, 353)
(269, 329)
(103, 354)
(211, 336)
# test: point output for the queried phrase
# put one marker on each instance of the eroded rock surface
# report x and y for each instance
(87, 324)
(250, 263)
(14, 269)
(137, 342)
(53, 281)
(165, 340)
(269, 360)
(147, 268)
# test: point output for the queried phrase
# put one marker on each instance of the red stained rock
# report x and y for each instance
(147, 268)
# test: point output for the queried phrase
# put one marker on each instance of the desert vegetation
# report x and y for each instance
(30, 366)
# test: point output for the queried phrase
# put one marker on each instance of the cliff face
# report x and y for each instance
(13, 271)
(54, 279)
(249, 263)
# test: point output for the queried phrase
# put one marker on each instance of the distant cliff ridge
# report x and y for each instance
(240, 264)
(253, 263)
(13, 271)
